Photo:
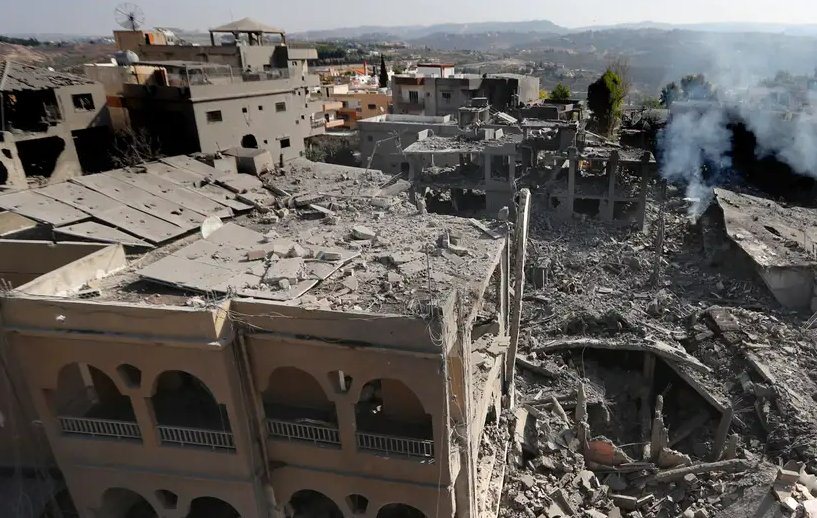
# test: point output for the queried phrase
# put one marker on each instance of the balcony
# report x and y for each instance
(188, 415)
(393, 445)
(317, 434)
(88, 404)
(410, 106)
(335, 123)
(122, 430)
(181, 436)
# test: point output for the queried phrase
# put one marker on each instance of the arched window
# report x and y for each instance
(209, 507)
(389, 407)
(399, 511)
(187, 413)
(181, 399)
(88, 402)
(249, 141)
(298, 409)
(124, 503)
(391, 420)
(312, 504)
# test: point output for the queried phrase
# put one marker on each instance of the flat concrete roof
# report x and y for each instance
(325, 237)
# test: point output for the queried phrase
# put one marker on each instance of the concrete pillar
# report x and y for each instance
(612, 172)
(571, 180)
(511, 171)
(143, 410)
(642, 193)
(347, 426)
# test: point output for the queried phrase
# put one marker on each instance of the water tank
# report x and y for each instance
(125, 58)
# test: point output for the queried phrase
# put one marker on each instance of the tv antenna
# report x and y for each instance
(129, 16)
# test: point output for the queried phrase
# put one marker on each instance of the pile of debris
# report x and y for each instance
(652, 383)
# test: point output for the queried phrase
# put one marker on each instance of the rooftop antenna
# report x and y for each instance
(129, 16)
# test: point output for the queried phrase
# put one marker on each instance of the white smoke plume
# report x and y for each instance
(698, 138)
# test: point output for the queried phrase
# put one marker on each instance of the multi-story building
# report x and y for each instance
(356, 105)
(443, 93)
(211, 98)
(325, 370)
(50, 124)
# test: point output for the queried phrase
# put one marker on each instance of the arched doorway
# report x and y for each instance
(391, 419)
(249, 141)
(399, 511)
(297, 408)
(88, 402)
(123, 503)
(312, 504)
(187, 413)
(210, 507)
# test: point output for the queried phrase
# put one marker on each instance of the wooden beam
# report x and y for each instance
(521, 243)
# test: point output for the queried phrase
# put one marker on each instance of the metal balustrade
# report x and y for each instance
(293, 431)
(395, 445)
(100, 427)
(196, 437)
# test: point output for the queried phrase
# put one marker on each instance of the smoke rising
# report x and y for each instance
(695, 147)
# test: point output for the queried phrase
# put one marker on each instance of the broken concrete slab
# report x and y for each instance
(362, 233)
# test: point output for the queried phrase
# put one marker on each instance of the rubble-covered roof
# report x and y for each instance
(143, 206)
(326, 237)
(772, 235)
(19, 76)
(460, 144)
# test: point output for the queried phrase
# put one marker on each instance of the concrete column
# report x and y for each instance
(612, 172)
(571, 180)
(347, 426)
(143, 410)
(511, 171)
(642, 194)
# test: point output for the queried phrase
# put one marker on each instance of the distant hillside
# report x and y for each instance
(525, 29)
(414, 32)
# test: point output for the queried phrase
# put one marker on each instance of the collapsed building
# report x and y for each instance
(50, 124)
(201, 343)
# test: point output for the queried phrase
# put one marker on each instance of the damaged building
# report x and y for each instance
(253, 93)
(51, 124)
(435, 90)
(197, 343)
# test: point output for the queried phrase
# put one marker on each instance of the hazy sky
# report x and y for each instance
(96, 16)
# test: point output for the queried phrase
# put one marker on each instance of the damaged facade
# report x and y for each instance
(326, 356)
(49, 124)
(213, 98)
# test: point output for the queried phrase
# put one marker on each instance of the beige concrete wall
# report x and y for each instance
(77, 119)
(226, 55)
(23, 261)
(88, 485)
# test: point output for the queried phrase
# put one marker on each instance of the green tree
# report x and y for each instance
(397, 68)
(384, 74)
(604, 98)
(670, 94)
(560, 93)
(543, 95)
(696, 87)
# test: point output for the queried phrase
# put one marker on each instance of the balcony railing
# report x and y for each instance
(316, 434)
(392, 445)
(196, 437)
(100, 428)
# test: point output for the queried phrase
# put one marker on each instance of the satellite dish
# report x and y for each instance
(129, 16)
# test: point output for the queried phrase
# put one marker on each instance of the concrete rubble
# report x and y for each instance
(657, 386)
